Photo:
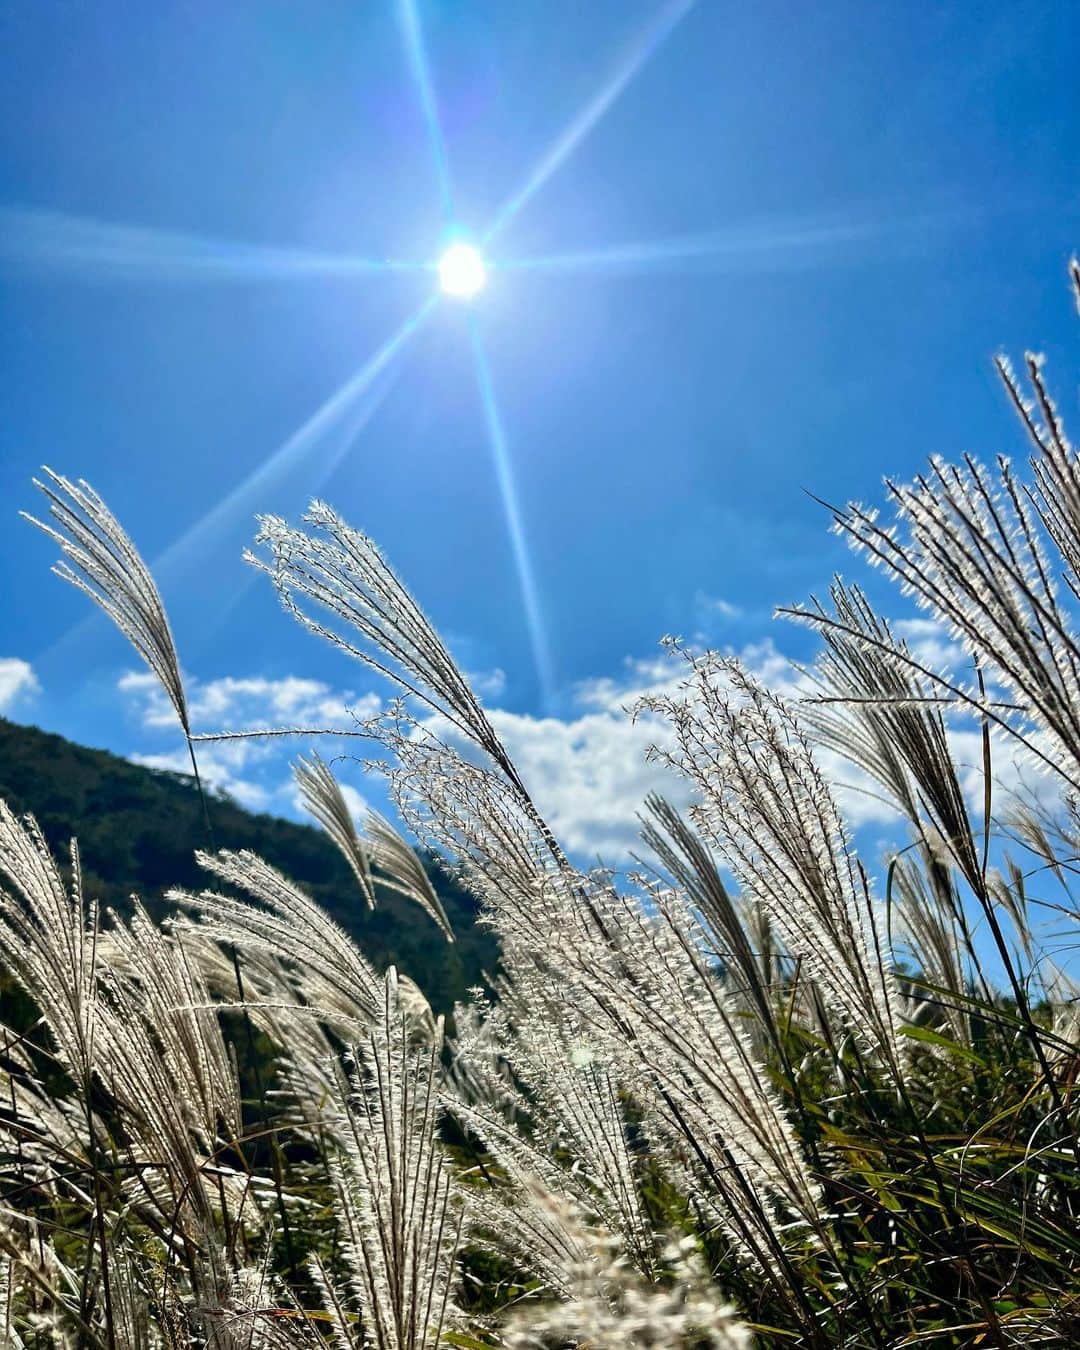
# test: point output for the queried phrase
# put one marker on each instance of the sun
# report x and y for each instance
(462, 272)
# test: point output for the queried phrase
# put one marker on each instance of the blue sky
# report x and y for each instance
(778, 256)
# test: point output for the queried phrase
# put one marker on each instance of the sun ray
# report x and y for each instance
(416, 52)
(338, 406)
(345, 412)
(504, 472)
(631, 62)
(772, 245)
(50, 241)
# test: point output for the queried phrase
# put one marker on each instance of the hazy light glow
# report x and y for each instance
(462, 272)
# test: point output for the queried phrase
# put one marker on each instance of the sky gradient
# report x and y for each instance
(737, 252)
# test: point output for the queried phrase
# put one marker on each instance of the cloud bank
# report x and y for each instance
(17, 682)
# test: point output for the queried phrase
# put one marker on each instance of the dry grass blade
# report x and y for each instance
(322, 795)
(104, 564)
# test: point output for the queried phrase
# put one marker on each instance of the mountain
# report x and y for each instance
(138, 830)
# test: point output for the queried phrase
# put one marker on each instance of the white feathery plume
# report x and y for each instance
(1056, 496)
(402, 871)
(50, 941)
(875, 709)
(399, 1211)
(42, 1130)
(557, 921)
(336, 979)
(605, 1305)
(253, 1310)
(322, 796)
(104, 564)
(472, 814)
(483, 816)
(342, 571)
(774, 822)
(932, 927)
(681, 1044)
(728, 926)
(971, 552)
(379, 845)
(9, 1334)
(576, 1141)
(169, 990)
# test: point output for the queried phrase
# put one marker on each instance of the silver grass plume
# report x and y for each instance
(774, 822)
(873, 707)
(708, 1086)
(50, 941)
(44, 1131)
(155, 973)
(607, 1306)
(342, 571)
(322, 796)
(104, 564)
(472, 814)
(680, 1046)
(402, 871)
(484, 816)
(379, 845)
(334, 976)
(576, 1141)
(934, 928)
(399, 1211)
(967, 546)
(9, 1334)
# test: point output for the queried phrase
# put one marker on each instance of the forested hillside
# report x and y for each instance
(138, 830)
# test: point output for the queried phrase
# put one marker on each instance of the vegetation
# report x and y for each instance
(798, 1112)
(138, 830)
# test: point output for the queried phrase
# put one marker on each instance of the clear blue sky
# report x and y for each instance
(853, 205)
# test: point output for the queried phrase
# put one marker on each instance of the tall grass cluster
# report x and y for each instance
(755, 1094)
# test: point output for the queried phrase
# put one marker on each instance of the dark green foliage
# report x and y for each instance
(138, 830)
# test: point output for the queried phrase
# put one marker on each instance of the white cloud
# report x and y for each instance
(488, 684)
(251, 702)
(252, 771)
(220, 768)
(589, 777)
(932, 644)
(588, 773)
(587, 770)
(713, 606)
(17, 682)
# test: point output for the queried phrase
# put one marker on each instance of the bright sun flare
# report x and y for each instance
(461, 271)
